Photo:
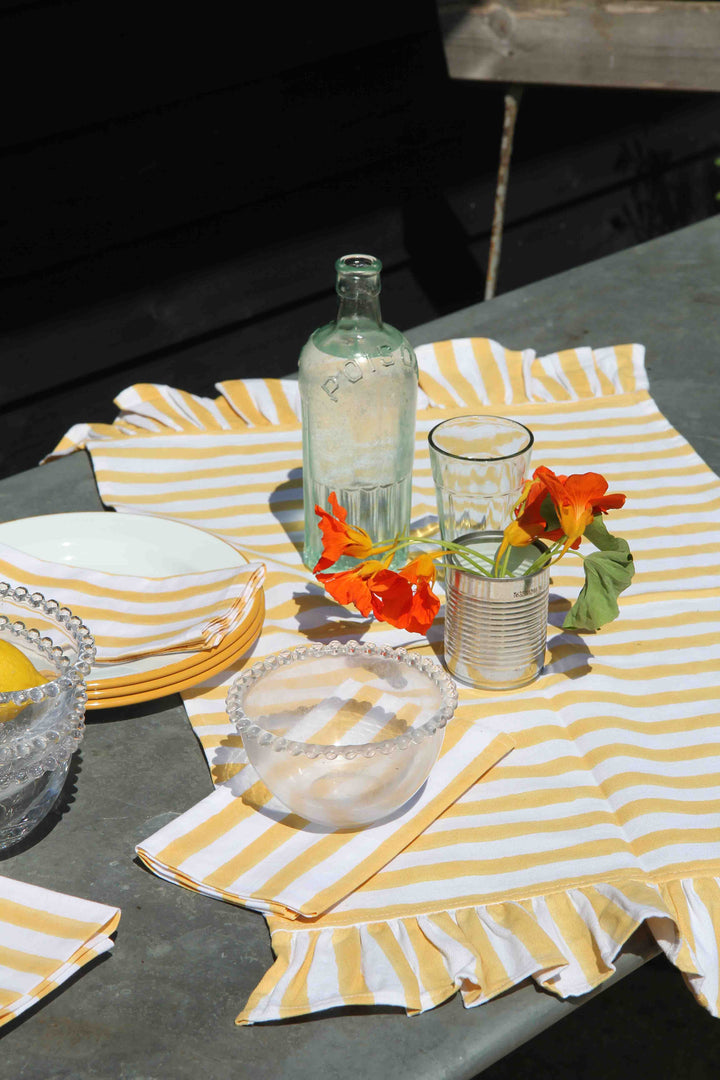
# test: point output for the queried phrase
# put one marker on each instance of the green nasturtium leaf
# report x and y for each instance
(607, 573)
(600, 538)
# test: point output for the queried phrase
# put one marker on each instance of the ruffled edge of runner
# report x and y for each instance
(567, 942)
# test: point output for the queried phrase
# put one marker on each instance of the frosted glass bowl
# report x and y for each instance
(343, 734)
(41, 727)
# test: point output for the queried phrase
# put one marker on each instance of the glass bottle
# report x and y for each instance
(358, 388)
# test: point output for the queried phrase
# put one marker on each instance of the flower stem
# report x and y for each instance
(470, 554)
(545, 559)
(506, 559)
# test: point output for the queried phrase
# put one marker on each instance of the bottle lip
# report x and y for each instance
(358, 264)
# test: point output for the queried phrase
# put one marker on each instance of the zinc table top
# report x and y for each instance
(136, 1017)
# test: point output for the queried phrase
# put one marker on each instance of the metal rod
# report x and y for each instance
(512, 103)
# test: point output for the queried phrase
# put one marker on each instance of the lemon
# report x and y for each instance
(16, 673)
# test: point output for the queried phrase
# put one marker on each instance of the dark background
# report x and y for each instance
(176, 184)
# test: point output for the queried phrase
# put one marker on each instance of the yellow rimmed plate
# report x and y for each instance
(184, 680)
(140, 545)
(167, 673)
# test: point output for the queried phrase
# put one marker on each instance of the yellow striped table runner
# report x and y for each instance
(45, 939)
(606, 813)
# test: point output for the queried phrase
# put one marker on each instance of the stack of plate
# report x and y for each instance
(147, 547)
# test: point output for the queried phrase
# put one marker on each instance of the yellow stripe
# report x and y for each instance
(364, 913)
(615, 921)
(626, 369)
(158, 497)
(447, 361)
(597, 756)
(553, 386)
(579, 378)
(519, 922)
(286, 414)
(654, 646)
(477, 833)
(220, 774)
(576, 729)
(212, 472)
(672, 892)
(638, 674)
(281, 945)
(437, 392)
(500, 864)
(491, 974)
(513, 360)
(434, 978)
(406, 976)
(183, 847)
(7, 998)
(579, 939)
(296, 994)
(28, 963)
(228, 414)
(179, 450)
(349, 962)
(46, 922)
(423, 471)
(239, 396)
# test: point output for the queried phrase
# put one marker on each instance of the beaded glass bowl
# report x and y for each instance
(41, 727)
(343, 735)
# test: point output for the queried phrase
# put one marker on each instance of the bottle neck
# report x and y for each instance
(359, 310)
(358, 289)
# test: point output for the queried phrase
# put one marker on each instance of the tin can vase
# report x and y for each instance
(496, 628)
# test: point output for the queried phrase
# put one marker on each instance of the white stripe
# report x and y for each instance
(499, 357)
(469, 368)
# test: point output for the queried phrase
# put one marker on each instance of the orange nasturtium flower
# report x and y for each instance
(404, 599)
(578, 498)
(372, 588)
(528, 523)
(424, 605)
(339, 538)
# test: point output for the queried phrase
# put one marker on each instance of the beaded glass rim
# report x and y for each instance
(251, 730)
(71, 671)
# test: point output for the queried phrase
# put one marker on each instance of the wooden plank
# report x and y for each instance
(650, 44)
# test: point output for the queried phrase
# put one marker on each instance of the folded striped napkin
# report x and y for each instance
(131, 616)
(45, 938)
(242, 845)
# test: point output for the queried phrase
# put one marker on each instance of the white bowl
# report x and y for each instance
(343, 735)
